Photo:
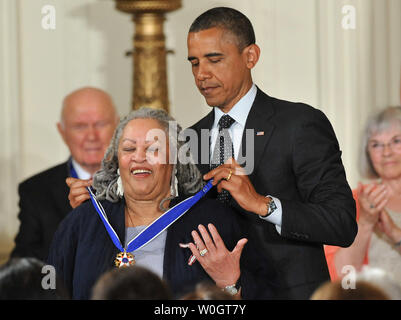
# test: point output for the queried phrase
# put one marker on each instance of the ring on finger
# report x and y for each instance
(229, 175)
(203, 252)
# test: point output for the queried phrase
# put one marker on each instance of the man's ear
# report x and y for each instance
(251, 55)
(61, 130)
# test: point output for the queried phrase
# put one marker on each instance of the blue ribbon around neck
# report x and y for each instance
(156, 227)
(73, 172)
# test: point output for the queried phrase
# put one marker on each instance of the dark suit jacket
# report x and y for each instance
(43, 204)
(82, 249)
(297, 160)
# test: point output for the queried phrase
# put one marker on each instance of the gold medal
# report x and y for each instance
(124, 259)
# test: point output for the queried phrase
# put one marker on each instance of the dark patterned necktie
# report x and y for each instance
(223, 151)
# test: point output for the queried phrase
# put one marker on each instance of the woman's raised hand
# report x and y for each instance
(372, 198)
(222, 265)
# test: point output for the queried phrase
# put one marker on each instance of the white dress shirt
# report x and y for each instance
(239, 112)
(81, 172)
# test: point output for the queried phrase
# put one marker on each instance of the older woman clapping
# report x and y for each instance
(138, 183)
(378, 242)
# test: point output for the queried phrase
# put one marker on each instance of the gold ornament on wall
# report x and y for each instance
(149, 51)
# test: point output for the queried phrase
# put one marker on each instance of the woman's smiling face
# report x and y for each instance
(143, 155)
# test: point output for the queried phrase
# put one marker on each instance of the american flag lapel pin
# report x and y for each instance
(260, 133)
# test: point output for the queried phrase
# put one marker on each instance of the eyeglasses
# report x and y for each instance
(378, 147)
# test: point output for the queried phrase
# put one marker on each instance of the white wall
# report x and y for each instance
(10, 137)
(306, 56)
(86, 48)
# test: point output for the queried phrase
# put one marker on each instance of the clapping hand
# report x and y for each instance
(373, 199)
(388, 227)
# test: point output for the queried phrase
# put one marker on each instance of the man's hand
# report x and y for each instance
(231, 177)
(78, 192)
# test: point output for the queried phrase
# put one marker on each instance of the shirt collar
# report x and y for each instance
(239, 112)
(81, 172)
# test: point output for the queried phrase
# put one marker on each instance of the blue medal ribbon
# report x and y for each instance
(156, 227)
(73, 173)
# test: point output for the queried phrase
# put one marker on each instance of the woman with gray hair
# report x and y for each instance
(378, 242)
(138, 183)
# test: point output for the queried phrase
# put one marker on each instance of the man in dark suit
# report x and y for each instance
(291, 190)
(88, 120)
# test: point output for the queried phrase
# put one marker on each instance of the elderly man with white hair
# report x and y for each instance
(87, 122)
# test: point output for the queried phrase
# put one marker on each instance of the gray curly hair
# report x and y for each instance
(189, 179)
